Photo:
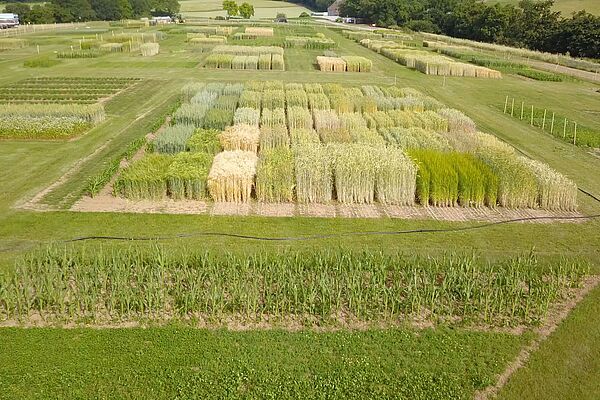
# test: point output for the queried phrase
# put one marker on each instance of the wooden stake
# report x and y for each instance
(512, 107)
(575, 134)
(552, 125)
(544, 120)
(38, 49)
(522, 107)
(565, 129)
(505, 104)
(531, 115)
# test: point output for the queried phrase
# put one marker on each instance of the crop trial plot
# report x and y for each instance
(55, 108)
(270, 142)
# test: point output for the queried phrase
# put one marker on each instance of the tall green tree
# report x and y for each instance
(580, 35)
(73, 10)
(231, 7)
(246, 10)
(165, 7)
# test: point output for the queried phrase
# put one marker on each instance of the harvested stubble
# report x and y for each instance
(149, 49)
(251, 99)
(256, 31)
(187, 175)
(240, 137)
(314, 173)
(274, 137)
(218, 119)
(271, 118)
(296, 97)
(331, 64)
(174, 139)
(355, 171)
(275, 179)
(231, 176)
(396, 178)
(300, 136)
(273, 99)
(555, 191)
(247, 116)
(357, 64)
(318, 101)
(204, 141)
(145, 179)
(415, 138)
(190, 90)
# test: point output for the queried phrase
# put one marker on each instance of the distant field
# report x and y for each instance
(566, 7)
(262, 8)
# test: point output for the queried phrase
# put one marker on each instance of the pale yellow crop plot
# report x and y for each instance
(262, 8)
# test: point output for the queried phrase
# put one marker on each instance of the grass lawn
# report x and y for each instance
(180, 362)
(189, 363)
(567, 365)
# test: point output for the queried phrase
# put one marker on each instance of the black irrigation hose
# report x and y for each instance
(331, 235)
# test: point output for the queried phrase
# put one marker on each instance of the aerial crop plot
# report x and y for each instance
(55, 108)
(202, 203)
(275, 142)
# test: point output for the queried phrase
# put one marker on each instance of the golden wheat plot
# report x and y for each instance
(231, 177)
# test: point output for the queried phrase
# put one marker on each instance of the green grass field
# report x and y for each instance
(262, 8)
(184, 362)
(566, 7)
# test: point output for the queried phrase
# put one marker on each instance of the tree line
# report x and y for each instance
(531, 24)
(88, 10)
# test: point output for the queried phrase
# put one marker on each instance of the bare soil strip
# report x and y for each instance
(556, 316)
(107, 202)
